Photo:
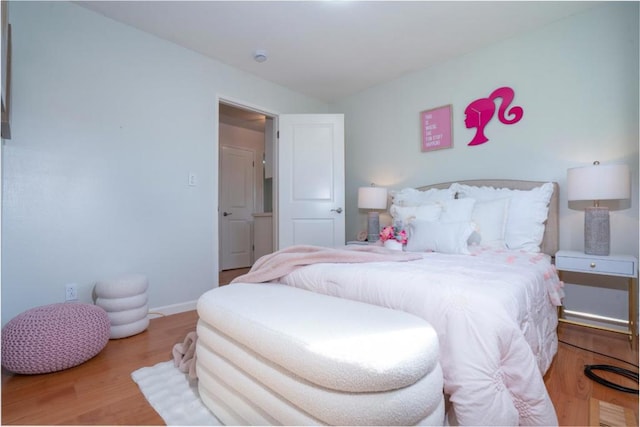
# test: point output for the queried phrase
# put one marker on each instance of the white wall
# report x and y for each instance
(107, 123)
(577, 81)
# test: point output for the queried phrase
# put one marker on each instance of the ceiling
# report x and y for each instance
(332, 49)
(241, 118)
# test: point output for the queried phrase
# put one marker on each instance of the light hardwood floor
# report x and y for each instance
(101, 392)
(571, 390)
(227, 276)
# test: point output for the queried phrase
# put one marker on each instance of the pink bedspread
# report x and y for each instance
(495, 315)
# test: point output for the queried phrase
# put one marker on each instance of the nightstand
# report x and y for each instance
(361, 243)
(612, 265)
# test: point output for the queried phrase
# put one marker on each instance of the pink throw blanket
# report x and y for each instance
(279, 264)
(184, 355)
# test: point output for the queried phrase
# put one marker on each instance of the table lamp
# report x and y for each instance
(372, 198)
(598, 182)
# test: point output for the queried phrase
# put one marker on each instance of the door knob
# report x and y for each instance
(339, 210)
(226, 213)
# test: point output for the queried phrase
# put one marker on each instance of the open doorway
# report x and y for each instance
(246, 196)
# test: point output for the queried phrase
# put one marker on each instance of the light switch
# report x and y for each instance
(193, 180)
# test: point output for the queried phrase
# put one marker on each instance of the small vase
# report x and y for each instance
(393, 245)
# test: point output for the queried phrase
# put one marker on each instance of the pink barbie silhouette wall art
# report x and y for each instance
(480, 112)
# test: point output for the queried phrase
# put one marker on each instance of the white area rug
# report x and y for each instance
(168, 391)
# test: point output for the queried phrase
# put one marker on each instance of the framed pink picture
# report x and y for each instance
(436, 128)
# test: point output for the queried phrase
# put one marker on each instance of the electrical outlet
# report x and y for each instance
(71, 292)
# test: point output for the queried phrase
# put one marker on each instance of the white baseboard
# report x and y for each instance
(168, 310)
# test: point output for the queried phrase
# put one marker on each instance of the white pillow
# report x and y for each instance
(490, 218)
(526, 215)
(406, 214)
(413, 197)
(457, 210)
(438, 236)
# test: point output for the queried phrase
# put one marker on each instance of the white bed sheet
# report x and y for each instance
(495, 315)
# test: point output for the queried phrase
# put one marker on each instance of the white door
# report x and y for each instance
(236, 207)
(311, 180)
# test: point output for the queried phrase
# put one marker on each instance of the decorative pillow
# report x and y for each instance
(438, 236)
(490, 218)
(457, 210)
(526, 215)
(406, 214)
(413, 197)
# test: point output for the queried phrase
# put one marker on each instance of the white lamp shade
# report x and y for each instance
(599, 182)
(372, 198)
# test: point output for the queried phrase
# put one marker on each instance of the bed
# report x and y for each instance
(493, 303)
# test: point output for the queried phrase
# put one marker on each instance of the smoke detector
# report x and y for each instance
(260, 55)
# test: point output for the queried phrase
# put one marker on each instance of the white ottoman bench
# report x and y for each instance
(273, 354)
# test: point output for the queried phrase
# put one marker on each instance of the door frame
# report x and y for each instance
(221, 99)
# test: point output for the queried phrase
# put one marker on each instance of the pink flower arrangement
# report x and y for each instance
(393, 233)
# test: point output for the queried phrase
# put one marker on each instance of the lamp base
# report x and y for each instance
(373, 227)
(596, 231)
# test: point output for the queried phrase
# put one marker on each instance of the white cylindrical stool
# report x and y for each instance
(125, 301)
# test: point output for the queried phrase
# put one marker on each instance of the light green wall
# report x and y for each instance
(107, 123)
(577, 81)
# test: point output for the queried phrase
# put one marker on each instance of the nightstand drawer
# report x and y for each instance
(595, 265)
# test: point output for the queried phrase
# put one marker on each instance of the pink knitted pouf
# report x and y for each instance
(54, 337)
